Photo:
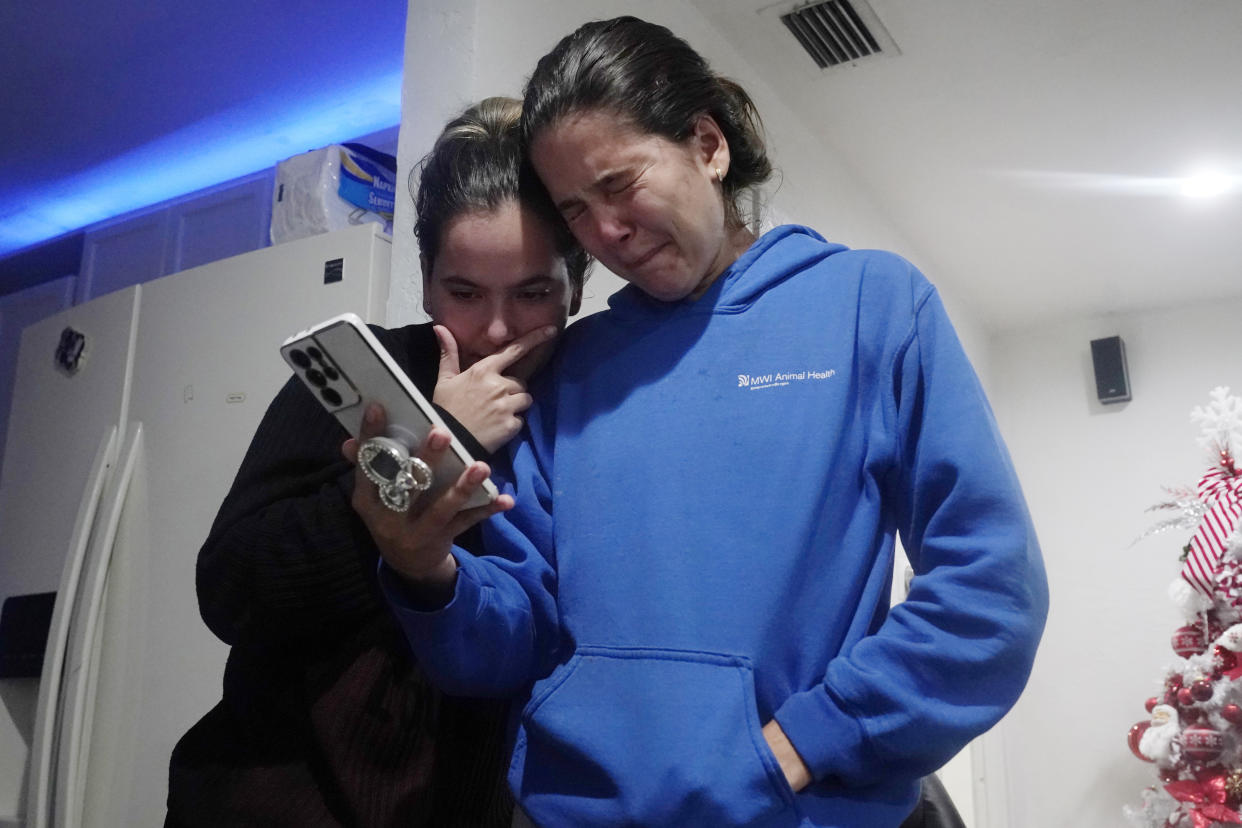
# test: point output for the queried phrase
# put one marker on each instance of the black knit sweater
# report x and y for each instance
(325, 719)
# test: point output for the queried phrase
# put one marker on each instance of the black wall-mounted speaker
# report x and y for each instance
(1112, 378)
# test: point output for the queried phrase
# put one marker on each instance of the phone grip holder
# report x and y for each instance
(387, 463)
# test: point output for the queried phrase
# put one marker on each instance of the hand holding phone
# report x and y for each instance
(347, 369)
(418, 545)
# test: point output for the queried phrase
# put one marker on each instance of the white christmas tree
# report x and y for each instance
(1194, 733)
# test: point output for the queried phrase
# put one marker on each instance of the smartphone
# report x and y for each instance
(346, 369)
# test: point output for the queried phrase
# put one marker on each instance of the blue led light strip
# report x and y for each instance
(229, 145)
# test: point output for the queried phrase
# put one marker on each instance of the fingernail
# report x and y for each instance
(372, 414)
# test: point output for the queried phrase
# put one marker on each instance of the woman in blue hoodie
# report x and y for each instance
(691, 590)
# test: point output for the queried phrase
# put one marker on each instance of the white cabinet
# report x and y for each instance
(122, 252)
(219, 223)
(208, 226)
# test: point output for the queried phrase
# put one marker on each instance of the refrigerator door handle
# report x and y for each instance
(47, 720)
(77, 706)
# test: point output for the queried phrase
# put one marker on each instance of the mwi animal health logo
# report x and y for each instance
(755, 382)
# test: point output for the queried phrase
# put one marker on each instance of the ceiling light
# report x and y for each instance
(1206, 184)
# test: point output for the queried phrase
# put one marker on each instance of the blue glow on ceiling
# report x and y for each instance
(228, 145)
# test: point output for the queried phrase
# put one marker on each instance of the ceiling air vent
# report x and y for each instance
(834, 32)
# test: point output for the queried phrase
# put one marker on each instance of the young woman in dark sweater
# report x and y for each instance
(326, 720)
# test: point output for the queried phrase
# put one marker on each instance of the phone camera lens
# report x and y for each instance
(331, 373)
(316, 377)
(300, 359)
(315, 353)
(329, 394)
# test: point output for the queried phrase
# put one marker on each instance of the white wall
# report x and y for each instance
(437, 81)
(1089, 472)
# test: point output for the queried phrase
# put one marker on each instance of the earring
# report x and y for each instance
(719, 175)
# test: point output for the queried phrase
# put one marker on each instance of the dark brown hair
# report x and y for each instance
(648, 75)
(477, 164)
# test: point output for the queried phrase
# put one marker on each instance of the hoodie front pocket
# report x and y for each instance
(621, 736)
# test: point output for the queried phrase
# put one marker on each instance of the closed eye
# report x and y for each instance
(613, 184)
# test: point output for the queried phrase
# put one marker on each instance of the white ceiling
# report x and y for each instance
(1030, 149)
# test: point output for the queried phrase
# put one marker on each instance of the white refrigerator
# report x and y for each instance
(130, 416)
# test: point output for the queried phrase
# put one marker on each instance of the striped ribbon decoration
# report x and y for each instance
(1221, 490)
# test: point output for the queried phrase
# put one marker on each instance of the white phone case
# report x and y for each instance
(346, 369)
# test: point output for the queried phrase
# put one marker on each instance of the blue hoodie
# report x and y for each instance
(707, 500)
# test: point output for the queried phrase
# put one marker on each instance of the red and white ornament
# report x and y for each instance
(1202, 743)
(1189, 640)
(1135, 737)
